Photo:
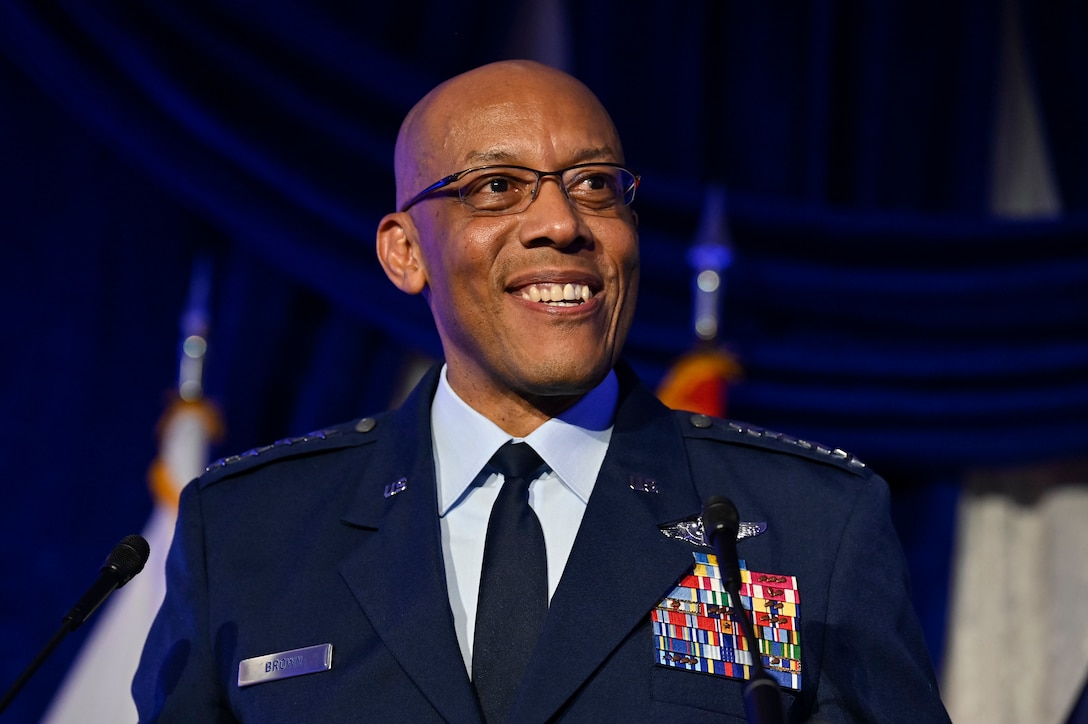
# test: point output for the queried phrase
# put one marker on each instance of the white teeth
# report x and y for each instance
(557, 293)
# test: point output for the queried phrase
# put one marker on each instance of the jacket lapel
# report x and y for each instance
(396, 573)
(621, 564)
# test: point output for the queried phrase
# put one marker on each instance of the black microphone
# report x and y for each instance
(125, 560)
(762, 700)
(721, 522)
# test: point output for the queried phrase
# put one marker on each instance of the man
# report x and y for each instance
(348, 576)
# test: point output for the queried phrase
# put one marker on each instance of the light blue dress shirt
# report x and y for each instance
(573, 445)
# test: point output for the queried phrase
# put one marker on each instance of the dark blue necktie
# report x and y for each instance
(513, 597)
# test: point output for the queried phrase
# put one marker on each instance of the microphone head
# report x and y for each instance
(720, 518)
(127, 558)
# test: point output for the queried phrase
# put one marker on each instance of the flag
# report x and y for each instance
(96, 689)
(699, 381)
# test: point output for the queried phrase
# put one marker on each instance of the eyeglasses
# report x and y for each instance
(593, 187)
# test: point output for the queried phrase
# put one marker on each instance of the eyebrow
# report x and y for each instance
(500, 156)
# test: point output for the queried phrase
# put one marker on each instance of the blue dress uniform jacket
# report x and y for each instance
(334, 538)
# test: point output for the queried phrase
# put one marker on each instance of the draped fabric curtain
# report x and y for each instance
(1020, 535)
(873, 302)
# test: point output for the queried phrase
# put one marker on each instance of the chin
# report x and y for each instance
(563, 377)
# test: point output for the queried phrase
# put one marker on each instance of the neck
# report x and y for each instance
(516, 414)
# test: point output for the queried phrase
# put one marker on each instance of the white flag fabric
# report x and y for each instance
(1018, 620)
(96, 689)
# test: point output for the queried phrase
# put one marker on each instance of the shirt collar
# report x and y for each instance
(572, 444)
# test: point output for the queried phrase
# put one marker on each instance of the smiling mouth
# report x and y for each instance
(559, 295)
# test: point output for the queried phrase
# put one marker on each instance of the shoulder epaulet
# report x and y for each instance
(730, 431)
(348, 434)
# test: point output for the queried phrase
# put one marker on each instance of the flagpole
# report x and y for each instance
(709, 257)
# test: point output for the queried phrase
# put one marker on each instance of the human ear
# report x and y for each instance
(399, 253)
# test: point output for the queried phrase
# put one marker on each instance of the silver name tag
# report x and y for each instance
(285, 664)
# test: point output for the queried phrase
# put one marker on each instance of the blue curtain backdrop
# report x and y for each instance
(874, 302)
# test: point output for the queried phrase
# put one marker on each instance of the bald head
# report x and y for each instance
(473, 118)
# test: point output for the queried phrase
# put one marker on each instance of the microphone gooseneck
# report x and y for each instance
(720, 525)
(762, 700)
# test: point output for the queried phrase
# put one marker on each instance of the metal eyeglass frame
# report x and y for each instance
(627, 197)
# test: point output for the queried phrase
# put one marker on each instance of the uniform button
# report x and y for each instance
(366, 424)
(701, 421)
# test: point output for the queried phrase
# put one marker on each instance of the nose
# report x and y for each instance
(552, 216)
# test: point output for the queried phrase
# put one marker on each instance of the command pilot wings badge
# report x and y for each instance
(691, 530)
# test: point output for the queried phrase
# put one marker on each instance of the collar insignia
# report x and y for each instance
(393, 488)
